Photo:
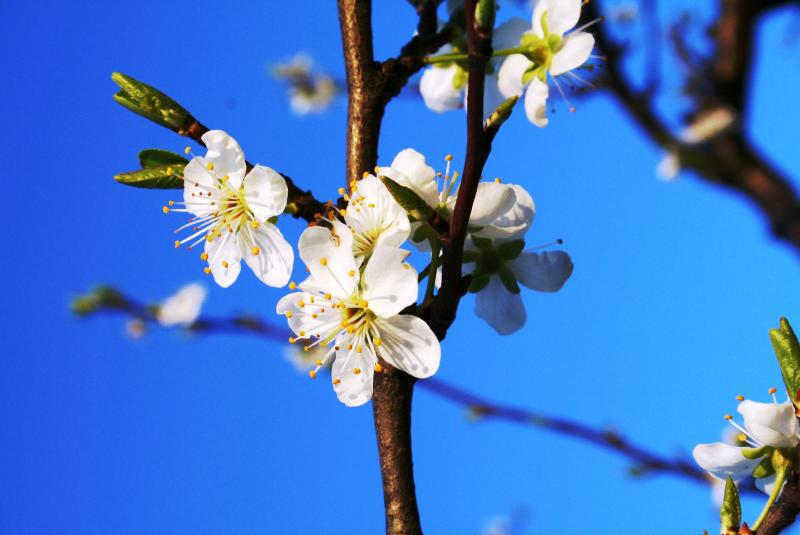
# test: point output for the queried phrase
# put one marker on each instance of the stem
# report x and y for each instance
(780, 477)
(457, 56)
(432, 268)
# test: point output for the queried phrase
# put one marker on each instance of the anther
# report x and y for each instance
(773, 390)
(289, 314)
(323, 261)
(448, 158)
(177, 244)
(351, 273)
(255, 250)
(312, 374)
(210, 166)
(328, 297)
(171, 203)
(292, 339)
(356, 371)
(341, 191)
(292, 285)
(165, 209)
(207, 271)
(378, 367)
(739, 398)
(318, 362)
(359, 348)
(336, 380)
(225, 264)
(254, 224)
(377, 342)
(204, 256)
(365, 174)
(728, 417)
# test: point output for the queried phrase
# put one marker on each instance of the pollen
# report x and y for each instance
(171, 203)
(343, 211)
(497, 180)
(318, 362)
(187, 150)
(336, 380)
(349, 347)
(359, 348)
(351, 273)
(739, 398)
(341, 191)
(210, 166)
(302, 333)
(254, 224)
(357, 371)
(177, 244)
(377, 342)
(328, 297)
(292, 339)
(225, 264)
(312, 374)
(728, 417)
(773, 390)
(364, 303)
(289, 314)
(323, 261)
(165, 209)
(292, 285)
(207, 271)
(255, 250)
(406, 266)
(378, 367)
(204, 256)
(365, 174)
(301, 303)
(448, 158)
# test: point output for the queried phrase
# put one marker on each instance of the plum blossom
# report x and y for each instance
(233, 210)
(373, 217)
(410, 169)
(498, 263)
(183, 307)
(355, 315)
(309, 92)
(549, 50)
(443, 85)
(767, 426)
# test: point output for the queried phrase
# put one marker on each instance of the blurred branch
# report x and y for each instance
(727, 159)
(106, 300)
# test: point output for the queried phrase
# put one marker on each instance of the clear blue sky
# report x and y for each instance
(663, 322)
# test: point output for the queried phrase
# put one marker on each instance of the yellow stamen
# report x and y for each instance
(356, 371)
(351, 273)
(289, 314)
(377, 342)
(165, 209)
(378, 367)
(255, 250)
(292, 285)
(336, 380)
(204, 256)
(210, 166)
(312, 374)
(323, 261)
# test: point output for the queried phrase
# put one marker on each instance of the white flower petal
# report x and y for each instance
(352, 389)
(501, 309)
(375, 216)
(409, 345)
(438, 92)
(576, 50)
(492, 97)
(509, 78)
(182, 308)
(669, 166)
(536, 102)
(197, 183)
(492, 200)
(301, 315)
(410, 169)
(226, 155)
(389, 284)
(509, 34)
(722, 460)
(272, 261)
(330, 261)
(514, 223)
(766, 484)
(265, 192)
(772, 424)
(544, 272)
(224, 258)
(562, 15)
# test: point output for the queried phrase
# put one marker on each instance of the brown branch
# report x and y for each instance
(783, 513)
(728, 159)
(645, 461)
(479, 50)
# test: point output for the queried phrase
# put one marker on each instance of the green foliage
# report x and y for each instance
(730, 514)
(149, 102)
(157, 177)
(409, 200)
(157, 157)
(787, 349)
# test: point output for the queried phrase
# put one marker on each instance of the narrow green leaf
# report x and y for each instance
(511, 249)
(160, 177)
(149, 102)
(408, 199)
(157, 157)
(787, 349)
(730, 514)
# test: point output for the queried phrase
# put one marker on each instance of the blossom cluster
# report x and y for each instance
(527, 56)
(354, 311)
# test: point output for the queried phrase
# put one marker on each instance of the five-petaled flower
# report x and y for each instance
(548, 50)
(233, 213)
(767, 427)
(183, 307)
(355, 313)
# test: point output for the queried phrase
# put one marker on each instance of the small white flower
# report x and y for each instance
(410, 169)
(551, 51)
(497, 263)
(309, 92)
(374, 217)
(443, 85)
(183, 307)
(704, 128)
(669, 166)
(771, 425)
(357, 314)
(232, 211)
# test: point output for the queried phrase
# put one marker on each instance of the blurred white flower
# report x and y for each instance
(309, 91)
(704, 128)
(233, 212)
(135, 328)
(303, 359)
(182, 308)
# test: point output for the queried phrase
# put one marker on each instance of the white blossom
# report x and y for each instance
(766, 425)
(551, 51)
(356, 316)
(704, 128)
(183, 307)
(309, 91)
(233, 212)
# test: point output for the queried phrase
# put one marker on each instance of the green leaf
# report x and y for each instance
(508, 279)
(408, 199)
(511, 249)
(149, 102)
(157, 157)
(787, 349)
(730, 514)
(160, 177)
(478, 282)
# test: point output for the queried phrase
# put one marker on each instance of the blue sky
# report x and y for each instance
(664, 321)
